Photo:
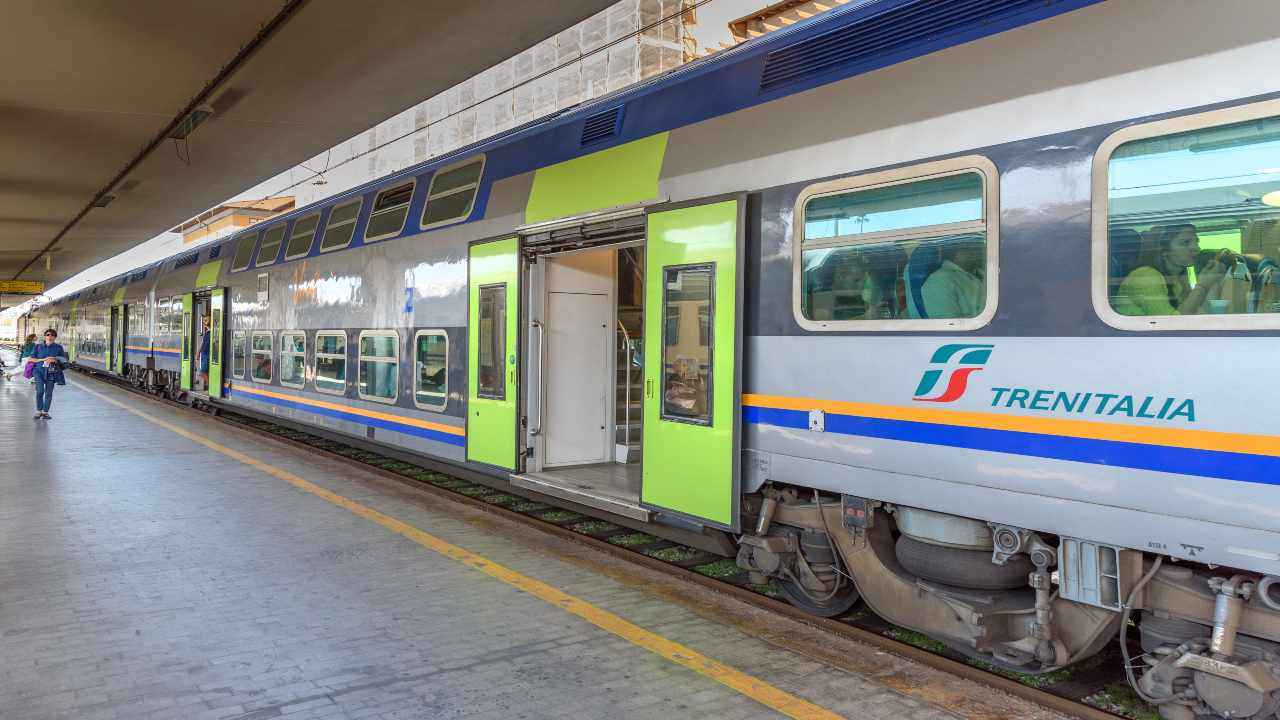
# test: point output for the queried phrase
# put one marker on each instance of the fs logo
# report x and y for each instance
(956, 363)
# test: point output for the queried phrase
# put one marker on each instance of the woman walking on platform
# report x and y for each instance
(49, 359)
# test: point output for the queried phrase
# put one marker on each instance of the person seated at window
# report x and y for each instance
(956, 289)
(1159, 284)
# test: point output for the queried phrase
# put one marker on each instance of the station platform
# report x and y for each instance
(157, 563)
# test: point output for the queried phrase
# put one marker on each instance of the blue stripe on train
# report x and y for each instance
(414, 430)
(1244, 467)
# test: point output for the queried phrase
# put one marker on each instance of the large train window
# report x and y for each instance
(431, 369)
(237, 353)
(910, 248)
(1187, 222)
(452, 193)
(304, 232)
(390, 209)
(491, 380)
(379, 365)
(341, 225)
(270, 249)
(244, 252)
(262, 363)
(331, 362)
(293, 359)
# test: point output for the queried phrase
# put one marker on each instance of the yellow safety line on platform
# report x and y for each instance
(752, 687)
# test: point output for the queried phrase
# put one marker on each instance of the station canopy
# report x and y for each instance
(120, 120)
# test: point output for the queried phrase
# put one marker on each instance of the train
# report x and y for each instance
(965, 310)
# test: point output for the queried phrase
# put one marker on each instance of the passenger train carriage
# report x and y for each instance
(965, 309)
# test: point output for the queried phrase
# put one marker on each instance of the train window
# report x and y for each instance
(262, 349)
(175, 314)
(293, 359)
(304, 232)
(688, 311)
(431, 369)
(491, 378)
(244, 252)
(390, 208)
(452, 193)
(379, 364)
(331, 362)
(341, 225)
(237, 353)
(162, 316)
(270, 249)
(1189, 234)
(910, 248)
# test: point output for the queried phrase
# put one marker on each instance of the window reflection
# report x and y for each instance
(688, 316)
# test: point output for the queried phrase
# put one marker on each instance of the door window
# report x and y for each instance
(492, 380)
(215, 337)
(688, 312)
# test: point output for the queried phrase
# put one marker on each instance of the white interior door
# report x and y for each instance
(579, 333)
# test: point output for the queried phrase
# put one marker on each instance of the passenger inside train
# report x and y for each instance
(957, 288)
(1195, 222)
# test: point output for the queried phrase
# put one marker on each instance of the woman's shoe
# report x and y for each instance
(46, 416)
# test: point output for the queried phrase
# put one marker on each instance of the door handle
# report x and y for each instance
(648, 387)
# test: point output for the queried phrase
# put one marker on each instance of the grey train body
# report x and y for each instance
(1038, 465)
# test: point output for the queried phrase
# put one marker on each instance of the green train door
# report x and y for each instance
(692, 350)
(185, 378)
(216, 331)
(492, 340)
(115, 363)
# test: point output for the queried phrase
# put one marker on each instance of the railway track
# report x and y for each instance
(1093, 690)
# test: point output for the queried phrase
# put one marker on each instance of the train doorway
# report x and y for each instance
(584, 293)
(203, 327)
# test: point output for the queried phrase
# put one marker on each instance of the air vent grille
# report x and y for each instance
(186, 260)
(215, 252)
(140, 275)
(883, 35)
(601, 126)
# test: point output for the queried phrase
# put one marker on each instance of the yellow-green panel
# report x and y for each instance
(118, 297)
(208, 275)
(187, 305)
(691, 468)
(491, 422)
(622, 175)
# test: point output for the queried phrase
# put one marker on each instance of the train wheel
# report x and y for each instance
(841, 602)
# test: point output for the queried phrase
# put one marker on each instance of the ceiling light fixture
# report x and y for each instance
(1272, 198)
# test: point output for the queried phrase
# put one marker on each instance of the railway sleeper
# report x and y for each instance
(1210, 641)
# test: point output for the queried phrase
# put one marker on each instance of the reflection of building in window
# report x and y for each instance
(687, 345)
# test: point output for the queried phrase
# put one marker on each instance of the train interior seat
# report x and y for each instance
(926, 258)
(1124, 246)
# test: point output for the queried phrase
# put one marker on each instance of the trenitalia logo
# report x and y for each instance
(957, 363)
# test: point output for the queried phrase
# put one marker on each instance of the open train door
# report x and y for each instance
(185, 377)
(692, 362)
(217, 300)
(492, 370)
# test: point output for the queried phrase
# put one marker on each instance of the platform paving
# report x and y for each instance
(143, 575)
